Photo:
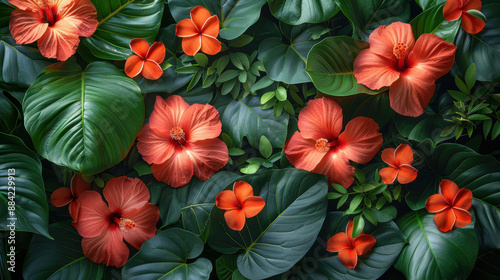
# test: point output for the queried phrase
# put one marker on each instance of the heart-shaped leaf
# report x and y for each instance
(432, 21)
(85, 120)
(297, 12)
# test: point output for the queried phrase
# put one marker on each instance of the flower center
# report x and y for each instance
(178, 134)
(126, 225)
(400, 51)
(322, 145)
(49, 15)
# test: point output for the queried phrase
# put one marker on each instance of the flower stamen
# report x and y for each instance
(178, 134)
(126, 225)
(322, 145)
(400, 51)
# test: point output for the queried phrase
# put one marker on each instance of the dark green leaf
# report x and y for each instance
(461, 85)
(241, 41)
(432, 21)
(225, 266)
(426, 4)
(470, 76)
(297, 12)
(339, 188)
(9, 115)
(487, 266)
(487, 225)
(376, 107)
(385, 214)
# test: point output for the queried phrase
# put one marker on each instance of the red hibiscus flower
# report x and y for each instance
(410, 68)
(240, 204)
(199, 32)
(55, 24)
(128, 216)
(180, 140)
(146, 60)
(321, 148)
(399, 160)
(454, 9)
(350, 248)
(63, 196)
(451, 206)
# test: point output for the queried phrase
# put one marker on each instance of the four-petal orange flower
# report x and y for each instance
(410, 68)
(350, 248)
(399, 160)
(199, 32)
(451, 206)
(63, 196)
(55, 24)
(454, 9)
(240, 203)
(146, 60)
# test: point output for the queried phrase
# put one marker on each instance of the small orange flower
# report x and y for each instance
(239, 203)
(63, 196)
(451, 206)
(147, 61)
(350, 248)
(199, 32)
(399, 160)
(454, 9)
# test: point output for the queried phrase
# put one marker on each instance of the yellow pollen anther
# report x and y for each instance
(177, 134)
(322, 145)
(126, 225)
(400, 51)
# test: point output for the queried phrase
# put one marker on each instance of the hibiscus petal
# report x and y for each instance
(252, 206)
(433, 55)
(176, 171)
(207, 156)
(191, 45)
(201, 122)
(186, 28)
(61, 197)
(388, 174)
(349, 258)
(125, 194)
(448, 190)
(82, 14)
(338, 242)
(472, 5)
(26, 4)
(226, 200)
(107, 248)
(407, 174)
(302, 152)
(335, 166)
(26, 26)
(364, 243)
(388, 156)
(211, 26)
(235, 219)
(78, 185)
(375, 71)
(199, 16)
(321, 118)
(154, 147)
(140, 47)
(145, 219)
(74, 210)
(156, 52)
(445, 220)
(93, 217)
(411, 93)
(384, 38)
(151, 70)
(463, 199)
(210, 45)
(451, 9)
(134, 65)
(463, 217)
(436, 203)
(360, 140)
(59, 41)
(167, 114)
(471, 24)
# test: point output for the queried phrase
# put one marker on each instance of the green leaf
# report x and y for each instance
(496, 130)
(9, 115)
(225, 266)
(281, 94)
(296, 202)
(60, 258)
(487, 266)
(236, 152)
(5, 11)
(432, 21)
(251, 168)
(85, 120)
(142, 168)
(21, 188)
(267, 96)
(432, 254)
(370, 216)
(342, 200)
(357, 226)
(470, 76)
(285, 62)
(201, 59)
(265, 147)
(426, 4)
(120, 21)
(296, 12)
(355, 202)
(245, 118)
(461, 85)
(487, 225)
(330, 66)
(166, 256)
(376, 107)
(339, 188)
(385, 214)
(458, 95)
(228, 75)
(235, 16)
(241, 41)
(261, 84)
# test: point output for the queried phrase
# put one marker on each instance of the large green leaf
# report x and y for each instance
(376, 107)
(426, 4)
(487, 225)
(5, 11)
(459, 164)
(120, 21)
(8, 116)
(85, 120)
(297, 12)
(245, 118)
(21, 187)
(482, 48)
(235, 16)
(166, 255)
(61, 258)
(487, 266)
(366, 16)
(330, 66)
(285, 62)
(283, 231)
(432, 21)
(432, 254)
(225, 266)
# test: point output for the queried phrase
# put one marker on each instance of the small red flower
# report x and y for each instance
(199, 32)
(128, 216)
(454, 9)
(146, 60)
(63, 196)
(451, 206)
(399, 160)
(240, 204)
(350, 248)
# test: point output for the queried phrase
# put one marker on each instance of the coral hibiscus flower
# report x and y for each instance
(454, 9)
(399, 160)
(199, 32)
(321, 148)
(240, 204)
(128, 216)
(146, 60)
(451, 206)
(410, 68)
(55, 24)
(63, 196)
(350, 248)
(180, 140)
